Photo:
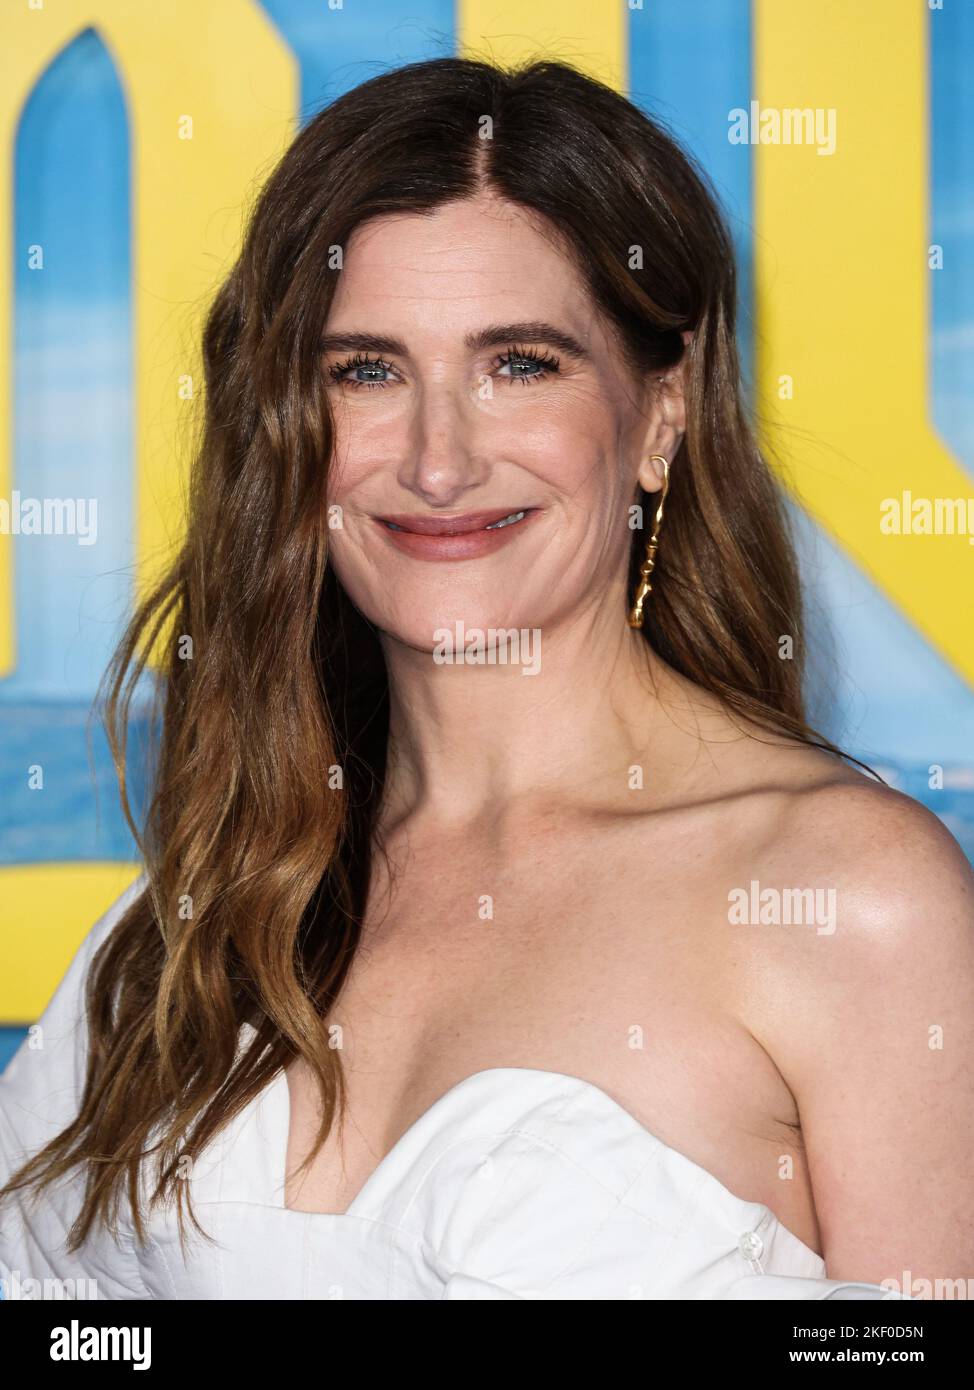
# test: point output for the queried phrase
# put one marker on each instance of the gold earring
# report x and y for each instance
(645, 588)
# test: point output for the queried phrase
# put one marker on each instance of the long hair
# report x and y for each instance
(256, 852)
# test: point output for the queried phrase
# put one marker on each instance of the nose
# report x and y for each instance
(442, 460)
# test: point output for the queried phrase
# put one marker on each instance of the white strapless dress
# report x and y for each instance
(517, 1183)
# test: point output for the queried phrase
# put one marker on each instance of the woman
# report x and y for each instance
(457, 968)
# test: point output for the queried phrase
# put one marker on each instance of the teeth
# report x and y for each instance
(494, 525)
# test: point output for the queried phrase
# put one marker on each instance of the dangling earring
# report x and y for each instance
(645, 588)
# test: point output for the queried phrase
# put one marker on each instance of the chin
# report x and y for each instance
(448, 630)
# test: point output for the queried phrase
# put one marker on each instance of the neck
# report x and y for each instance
(482, 743)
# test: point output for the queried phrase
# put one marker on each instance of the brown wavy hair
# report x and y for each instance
(287, 680)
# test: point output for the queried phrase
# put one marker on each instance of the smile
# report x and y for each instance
(458, 537)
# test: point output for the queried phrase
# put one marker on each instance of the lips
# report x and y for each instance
(469, 537)
(452, 525)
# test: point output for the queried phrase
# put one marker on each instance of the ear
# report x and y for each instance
(667, 422)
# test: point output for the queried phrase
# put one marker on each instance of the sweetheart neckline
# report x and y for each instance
(279, 1087)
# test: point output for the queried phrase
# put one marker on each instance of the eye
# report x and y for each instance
(526, 365)
(361, 370)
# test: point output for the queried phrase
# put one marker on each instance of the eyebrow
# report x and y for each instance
(497, 335)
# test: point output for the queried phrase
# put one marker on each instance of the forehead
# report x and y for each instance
(465, 258)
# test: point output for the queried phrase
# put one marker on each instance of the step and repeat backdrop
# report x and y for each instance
(133, 136)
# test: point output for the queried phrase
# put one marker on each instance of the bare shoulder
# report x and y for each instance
(890, 859)
(803, 811)
(866, 1008)
(840, 880)
(771, 806)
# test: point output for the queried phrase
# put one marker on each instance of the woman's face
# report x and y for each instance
(472, 381)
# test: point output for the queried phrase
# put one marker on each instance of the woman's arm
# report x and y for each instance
(874, 1033)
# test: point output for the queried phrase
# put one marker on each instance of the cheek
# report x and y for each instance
(577, 448)
(362, 441)
(352, 558)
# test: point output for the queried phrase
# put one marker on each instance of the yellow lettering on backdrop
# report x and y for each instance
(48, 909)
(843, 295)
(212, 94)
